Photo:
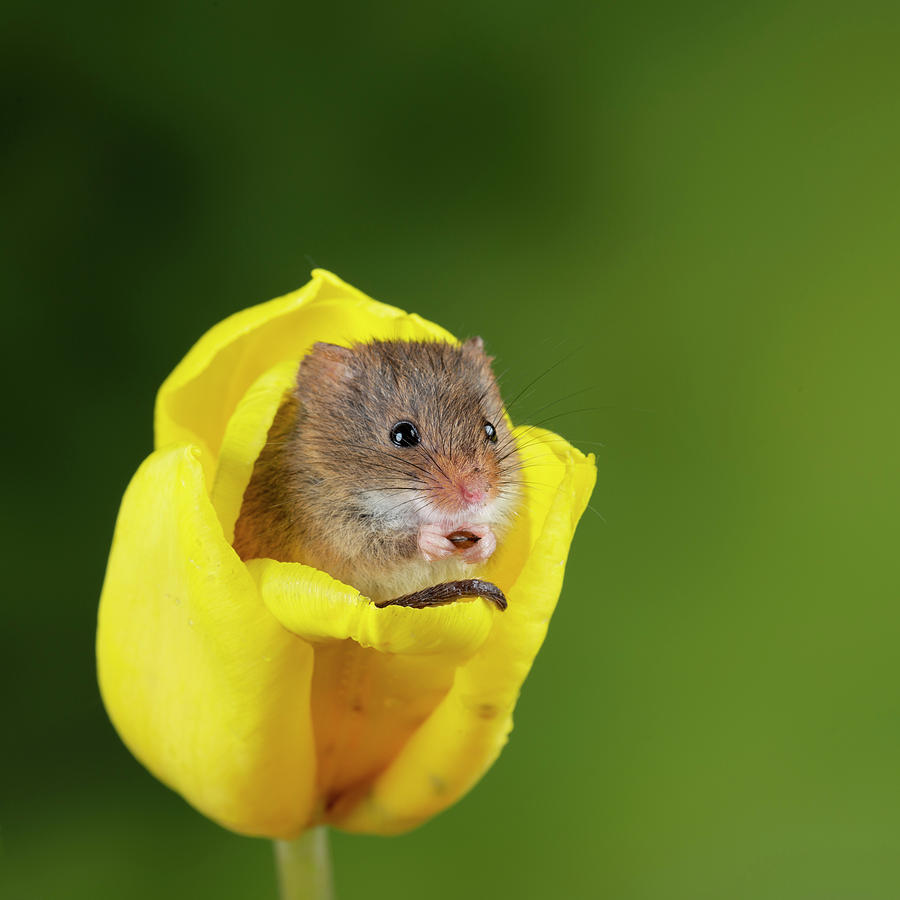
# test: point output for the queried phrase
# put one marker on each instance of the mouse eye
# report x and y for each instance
(491, 432)
(405, 434)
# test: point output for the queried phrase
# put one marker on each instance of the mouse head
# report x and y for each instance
(417, 428)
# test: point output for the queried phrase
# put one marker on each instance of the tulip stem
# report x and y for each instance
(304, 866)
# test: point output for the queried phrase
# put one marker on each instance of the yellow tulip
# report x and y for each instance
(269, 695)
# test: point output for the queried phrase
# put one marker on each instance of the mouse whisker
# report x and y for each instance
(560, 440)
(507, 455)
(570, 412)
(535, 380)
(401, 475)
(406, 462)
(450, 444)
(390, 488)
(397, 467)
(524, 441)
(550, 403)
(437, 464)
(503, 374)
(597, 513)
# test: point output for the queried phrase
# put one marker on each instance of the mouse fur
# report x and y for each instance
(333, 490)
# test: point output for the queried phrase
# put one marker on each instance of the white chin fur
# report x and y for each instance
(407, 510)
(494, 514)
(397, 508)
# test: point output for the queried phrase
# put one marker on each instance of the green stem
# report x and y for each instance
(304, 867)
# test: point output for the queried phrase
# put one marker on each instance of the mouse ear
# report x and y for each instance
(475, 345)
(324, 365)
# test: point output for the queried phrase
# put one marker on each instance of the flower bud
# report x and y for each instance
(269, 695)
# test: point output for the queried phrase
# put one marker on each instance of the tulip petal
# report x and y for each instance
(318, 608)
(467, 730)
(197, 399)
(379, 673)
(201, 682)
(244, 438)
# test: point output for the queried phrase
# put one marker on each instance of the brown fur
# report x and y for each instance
(330, 488)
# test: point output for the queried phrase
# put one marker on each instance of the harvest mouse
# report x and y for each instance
(391, 467)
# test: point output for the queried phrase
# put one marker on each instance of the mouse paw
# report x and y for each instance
(434, 543)
(483, 548)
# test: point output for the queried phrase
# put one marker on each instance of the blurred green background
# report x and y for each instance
(691, 208)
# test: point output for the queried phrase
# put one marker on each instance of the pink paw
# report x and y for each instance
(435, 542)
(483, 548)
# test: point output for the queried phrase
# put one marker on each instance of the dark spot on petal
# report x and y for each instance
(438, 784)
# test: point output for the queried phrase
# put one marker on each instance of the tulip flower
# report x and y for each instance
(272, 697)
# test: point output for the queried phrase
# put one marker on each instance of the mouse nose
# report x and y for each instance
(472, 491)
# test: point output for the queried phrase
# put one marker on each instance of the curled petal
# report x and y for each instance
(244, 437)
(196, 401)
(467, 730)
(318, 608)
(204, 685)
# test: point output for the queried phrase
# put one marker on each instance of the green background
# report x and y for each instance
(687, 211)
